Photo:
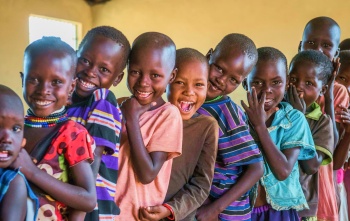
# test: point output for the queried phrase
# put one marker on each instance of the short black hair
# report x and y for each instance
(345, 44)
(235, 41)
(10, 100)
(344, 56)
(323, 21)
(50, 43)
(320, 60)
(158, 41)
(187, 54)
(272, 54)
(112, 34)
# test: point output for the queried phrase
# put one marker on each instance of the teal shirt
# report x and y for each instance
(289, 129)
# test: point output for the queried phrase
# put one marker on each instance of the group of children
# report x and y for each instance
(81, 154)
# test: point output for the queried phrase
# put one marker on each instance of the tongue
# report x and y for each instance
(185, 106)
(3, 154)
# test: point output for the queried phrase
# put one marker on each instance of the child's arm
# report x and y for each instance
(311, 166)
(340, 154)
(249, 177)
(14, 204)
(146, 165)
(95, 166)
(280, 162)
(80, 196)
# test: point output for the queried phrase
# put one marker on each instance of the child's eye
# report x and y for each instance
(218, 68)
(104, 70)
(256, 83)
(17, 129)
(155, 75)
(309, 83)
(134, 72)
(179, 82)
(342, 78)
(199, 85)
(277, 82)
(311, 42)
(85, 61)
(57, 82)
(233, 80)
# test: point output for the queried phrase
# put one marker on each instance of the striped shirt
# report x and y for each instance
(236, 149)
(101, 116)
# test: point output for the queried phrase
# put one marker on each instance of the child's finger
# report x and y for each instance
(262, 99)
(249, 99)
(254, 96)
(245, 107)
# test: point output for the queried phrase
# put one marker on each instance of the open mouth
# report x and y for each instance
(141, 94)
(4, 155)
(86, 84)
(43, 102)
(214, 87)
(186, 106)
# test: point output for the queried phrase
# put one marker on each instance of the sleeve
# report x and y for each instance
(299, 135)
(237, 147)
(196, 191)
(75, 143)
(323, 138)
(341, 97)
(167, 137)
(104, 120)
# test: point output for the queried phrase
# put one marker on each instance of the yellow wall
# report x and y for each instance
(14, 34)
(202, 23)
(190, 23)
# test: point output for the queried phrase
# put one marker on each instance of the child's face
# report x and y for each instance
(189, 89)
(148, 74)
(343, 76)
(304, 75)
(11, 133)
(99, 65)
(269, 77)
(227, 71)
(47, 81)
(321, 38)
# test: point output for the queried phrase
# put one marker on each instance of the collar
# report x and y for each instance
(281, 118)
(315, 113)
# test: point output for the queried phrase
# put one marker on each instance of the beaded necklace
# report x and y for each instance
(215, 99)
(30, 120)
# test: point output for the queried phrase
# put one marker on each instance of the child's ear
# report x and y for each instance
(324, 89)
(173, 76)
(337, 53)
(24, 141)
(22, 75)
(118, 79)
(299, 47)
(71, 89)
(245, 84)
(210, 52)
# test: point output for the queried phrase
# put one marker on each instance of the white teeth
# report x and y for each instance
(86, 84)
(186, 106)
(143, 94)
(43, 103)
(4, 154)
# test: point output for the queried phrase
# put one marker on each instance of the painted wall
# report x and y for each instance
(196, 23)
(201, 24)
(14, 34)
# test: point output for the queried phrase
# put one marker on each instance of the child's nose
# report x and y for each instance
(144, 80)
(189, 91)
(44, 88)
(92, 72)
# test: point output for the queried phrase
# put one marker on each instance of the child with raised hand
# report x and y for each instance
(283, 136)
(14, 189)
(63, 149)
(343, 77)
(323, 34)
(308, 76)
(152, 134)
(189, 185)
(102, 57)
(238, 163)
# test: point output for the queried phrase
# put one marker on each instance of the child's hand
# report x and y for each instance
(296, 100)
(345, 117)
(25, 163)
(154, 213)
(207, 213)
(131, 108)
(330, 83)
(256, 113)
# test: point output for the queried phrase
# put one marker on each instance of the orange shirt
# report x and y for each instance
(161, 130)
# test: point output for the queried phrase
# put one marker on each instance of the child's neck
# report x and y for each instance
(159, 102)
